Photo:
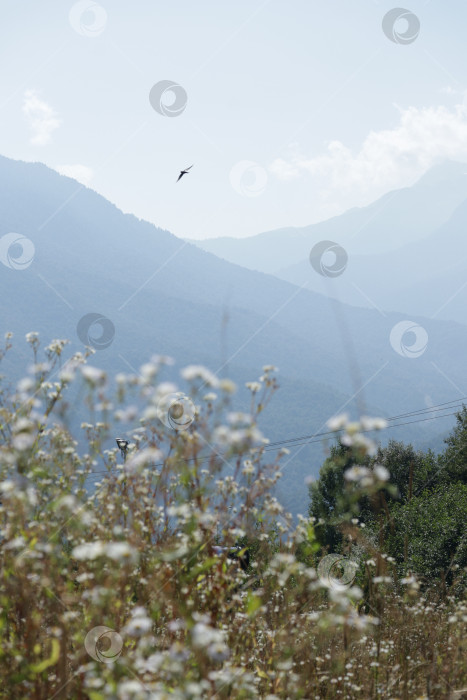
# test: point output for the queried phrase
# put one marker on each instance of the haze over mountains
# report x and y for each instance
(167, 296)
(406, 252)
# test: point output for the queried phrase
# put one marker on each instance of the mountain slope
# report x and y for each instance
(167, 296)
(425, 278)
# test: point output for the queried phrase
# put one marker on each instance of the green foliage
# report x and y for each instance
(453, 463)
(328, 504)
(429, 537)
(411, 470)
(420, 515)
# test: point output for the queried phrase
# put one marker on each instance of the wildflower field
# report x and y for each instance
(110, 586)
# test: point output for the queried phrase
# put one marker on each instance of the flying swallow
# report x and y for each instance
(184, 172)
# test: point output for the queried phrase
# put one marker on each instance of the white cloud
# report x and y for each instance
(79, 172)
(41, 117)
(387, 159)
(284, 170)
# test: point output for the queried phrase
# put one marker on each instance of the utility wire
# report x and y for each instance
(317, 437)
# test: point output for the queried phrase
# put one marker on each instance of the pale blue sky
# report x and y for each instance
(272, 82)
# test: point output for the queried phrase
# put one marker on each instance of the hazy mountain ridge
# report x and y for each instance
(407, 214)
(424, 274)
(424, 278)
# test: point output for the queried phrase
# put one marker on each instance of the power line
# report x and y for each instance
(317, 437)
(395, 425)
(421, 411)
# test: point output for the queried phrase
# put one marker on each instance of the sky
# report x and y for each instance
(290, 111)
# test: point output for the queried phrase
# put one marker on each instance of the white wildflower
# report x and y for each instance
(338, 422)
(148, 371)
(139, 624)
(56, 346)
(39, 368)
(150, 665)
(239, 418)
(176, 625)
(93, 375)
(68, 502)
(356, 473)
(25, 385)
(203, 635)
(66, 375)
(7, 486)
(149, 414)
(381, 472)
(355, 439)
(143, 458)
(22, 425)
(254, 387)
(178, 652)
(16, 543)
(131, 690)
(23, 441)
(162, 360)
(89, 550)
(180, 511)
(227, 386)
(248, 467)
(163, 389)
(126, 415)
(369, 423)
(121, 551)
(193, 372)
(218, 651)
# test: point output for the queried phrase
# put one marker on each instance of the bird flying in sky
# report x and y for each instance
(184, 172)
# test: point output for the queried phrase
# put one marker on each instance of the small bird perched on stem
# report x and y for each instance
(184, 172)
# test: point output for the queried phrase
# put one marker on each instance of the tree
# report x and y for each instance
(430, 537)
(410, 470)
(453, 462)
(328, 505)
